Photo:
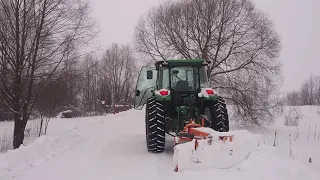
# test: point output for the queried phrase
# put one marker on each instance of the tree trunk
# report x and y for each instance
(18, 134)
(41, 124)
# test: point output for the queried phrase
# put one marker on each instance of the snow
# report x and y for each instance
(6, 126)
(305, 139)
(60, 115)
(113, 147)
(218, 154)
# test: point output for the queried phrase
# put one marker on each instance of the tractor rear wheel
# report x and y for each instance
(155, 125)
(217, 114)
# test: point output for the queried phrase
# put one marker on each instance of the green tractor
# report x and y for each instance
(175, 92)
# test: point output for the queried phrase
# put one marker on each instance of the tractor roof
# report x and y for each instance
(182, 62)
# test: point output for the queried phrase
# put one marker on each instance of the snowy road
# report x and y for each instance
(113, 147)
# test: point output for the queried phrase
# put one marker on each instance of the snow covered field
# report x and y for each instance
(113, 147)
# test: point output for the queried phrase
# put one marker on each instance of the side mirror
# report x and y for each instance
(137, 93)
(149, 74)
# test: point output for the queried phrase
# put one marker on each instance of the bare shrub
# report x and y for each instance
(32, 129)
(297, 134)
(290, 146)
(276, 138)
(6, 141)
(43, 125)
(293, 117)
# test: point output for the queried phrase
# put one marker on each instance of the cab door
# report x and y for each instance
(145, 84)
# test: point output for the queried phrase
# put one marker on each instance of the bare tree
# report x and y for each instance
(119, 71)
(90, 84)
(238, 39)
(305, 93)
(36, 36)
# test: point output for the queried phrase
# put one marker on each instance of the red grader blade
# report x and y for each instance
(196, 132)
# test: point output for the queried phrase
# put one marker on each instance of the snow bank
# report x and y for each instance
(266, 162)
(300, 140)
(106, 146)
(43, 148)
(219, 155)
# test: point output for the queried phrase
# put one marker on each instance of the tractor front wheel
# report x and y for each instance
(217, 115)
(155, 125)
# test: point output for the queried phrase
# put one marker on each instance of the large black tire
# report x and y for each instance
(155, 125)
(217, 114)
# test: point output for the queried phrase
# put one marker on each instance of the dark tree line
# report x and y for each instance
(309, 93)
(238, 39)
(86, 86)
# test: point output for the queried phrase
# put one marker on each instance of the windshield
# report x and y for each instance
(185, 78)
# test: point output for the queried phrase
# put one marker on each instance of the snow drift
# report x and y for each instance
(218, 154)
(113, 147)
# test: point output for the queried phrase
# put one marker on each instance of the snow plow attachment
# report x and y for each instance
(199, 148)
(195, 133)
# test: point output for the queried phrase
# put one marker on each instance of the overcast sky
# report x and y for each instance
(297, 22)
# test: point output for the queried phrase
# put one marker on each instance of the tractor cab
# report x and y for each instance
(182, 77)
